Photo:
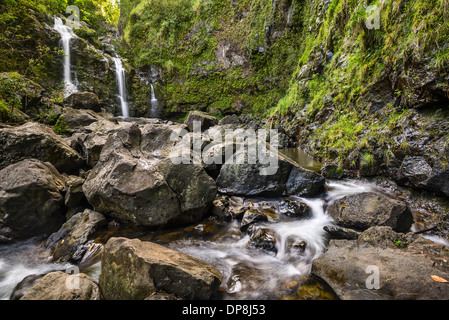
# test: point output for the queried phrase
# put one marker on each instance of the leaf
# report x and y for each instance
(438, 279)
(91, 247)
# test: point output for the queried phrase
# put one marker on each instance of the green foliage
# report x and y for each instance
(60, 126)
(12, 87)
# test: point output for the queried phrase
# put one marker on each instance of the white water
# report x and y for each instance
(154, 104)
(251, 273)
(21, 259)
(121, 84)
(66, 36)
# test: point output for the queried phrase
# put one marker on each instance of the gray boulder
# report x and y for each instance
(240, 177)
(31, 199)
(34, 140)
(364, 210)
(135, 181)
(132, 270)
(83, 100)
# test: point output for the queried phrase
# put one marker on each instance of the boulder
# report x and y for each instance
(206, 120)
(78, 119)
(240, 177)
(364, 210)
(83, 100)
(69, 243)
(74, 197)
(135, 181)
(31, 199)
(34, 140)
(404, 272)
(53, 286)
(132, 270)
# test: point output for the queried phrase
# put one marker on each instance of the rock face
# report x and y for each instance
(239, 177)
(135, 181)
(31, 199)
(53, 286)
(363, 210)
(83, 100)
(405, 267)
(69, 243)
(33, 140)
(132, 270)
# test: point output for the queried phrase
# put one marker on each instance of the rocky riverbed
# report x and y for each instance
(107, 200)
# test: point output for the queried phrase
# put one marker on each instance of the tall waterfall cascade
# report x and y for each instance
(121, 84)
(66, 36)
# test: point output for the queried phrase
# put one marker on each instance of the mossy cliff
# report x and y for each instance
(217, 56)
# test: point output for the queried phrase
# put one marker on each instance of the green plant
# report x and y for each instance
(367, 160)
(60, 126)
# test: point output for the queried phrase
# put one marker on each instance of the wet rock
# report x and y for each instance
(262, 238)
(404, 273)
(363, 210)
(337, 232)
(291, 207)
(83, 100)
(31, 199)
(238, 176)
(132, 269)
(206, 120)
(220, 208)
(69, 243)
(23, 286)
(135, 181)
(252, 216)
(53, 286)
(33, 140)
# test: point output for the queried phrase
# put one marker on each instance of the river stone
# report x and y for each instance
(53, 286)
(69, 242)
(363, 210)
(404, 273)
(31, 199)
(34, 140)
(83, 100)
(132, 270)
(135, 182)
(239, 177)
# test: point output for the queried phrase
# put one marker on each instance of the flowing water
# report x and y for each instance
(155, 112)
(249, 272)
(66, 36)
(121, 84)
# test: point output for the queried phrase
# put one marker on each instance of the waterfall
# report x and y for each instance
(154, 104)
(120, 73)
(66, 35)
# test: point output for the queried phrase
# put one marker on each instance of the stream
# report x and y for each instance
(249, 272)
